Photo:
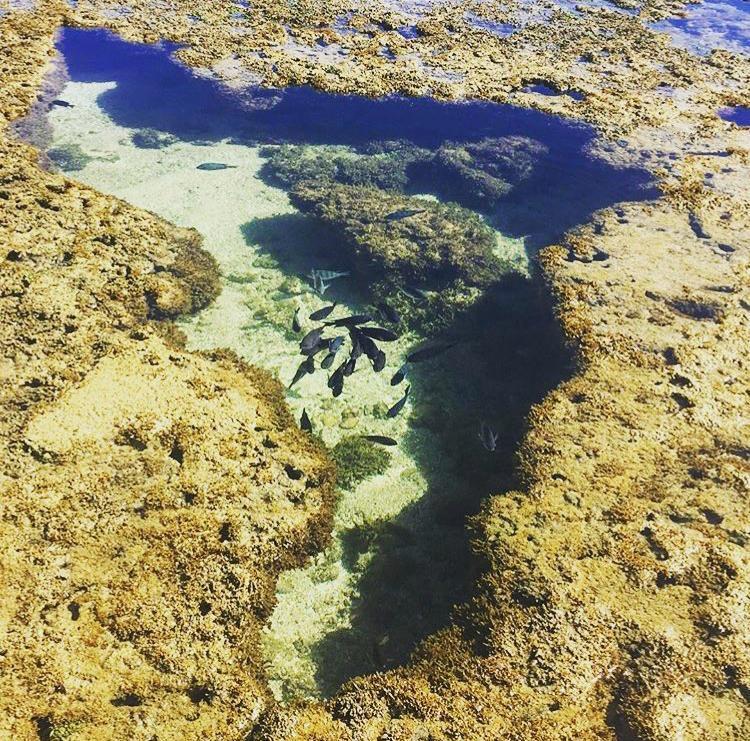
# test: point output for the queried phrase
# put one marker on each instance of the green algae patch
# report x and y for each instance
(358, 459)
(152, 139)
(69, 157)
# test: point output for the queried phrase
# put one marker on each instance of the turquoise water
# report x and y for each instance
(507, 180)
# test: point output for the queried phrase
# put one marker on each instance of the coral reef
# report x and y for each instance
(613, 594)
(383, 167)
(358, 459)
(150, 495)
(485, 171)
(400, 242)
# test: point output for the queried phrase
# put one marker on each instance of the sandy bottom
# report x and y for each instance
(263, 246)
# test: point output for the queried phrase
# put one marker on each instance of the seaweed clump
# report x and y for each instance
(358, 459)
(152, 139)
(384, 165)
(69, 157)
(483, 172)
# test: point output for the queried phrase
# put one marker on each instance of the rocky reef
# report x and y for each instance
(150, 495)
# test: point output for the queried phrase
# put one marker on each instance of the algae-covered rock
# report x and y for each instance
(383, 166)
(152, 139)
(69, 158)
(483, 172)
(407, 239)
(358, 459)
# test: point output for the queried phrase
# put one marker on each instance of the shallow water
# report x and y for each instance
(399, 556)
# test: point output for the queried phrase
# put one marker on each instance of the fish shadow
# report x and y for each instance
(511, 354)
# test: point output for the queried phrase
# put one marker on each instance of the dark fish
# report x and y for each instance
(322, 313)
(488, 437)
(337, 389)
(380, 439)
(400, 374)
(312, 339)
(366, 345)
(296, 326)
(357, 347)
(404, 213)
(62, 103)
(426, 353)
(302, 371)
(379, 363)
(337, 377)
(349, 366)
(389, 312)
(328, 360)
(215, 166)
(304, 422)
(350, 321)
(399, 405)
(335, 344)
(378, 333)
(310, 364)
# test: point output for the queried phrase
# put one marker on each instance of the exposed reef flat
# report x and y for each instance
(150, 495)
(614, 594)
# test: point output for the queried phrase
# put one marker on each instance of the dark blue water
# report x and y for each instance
(739, 115)
(154, 91)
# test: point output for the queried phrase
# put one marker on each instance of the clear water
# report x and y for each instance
(399, 557)
(711, 24)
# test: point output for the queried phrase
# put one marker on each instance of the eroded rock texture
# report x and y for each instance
(614, 593)
(150, 496)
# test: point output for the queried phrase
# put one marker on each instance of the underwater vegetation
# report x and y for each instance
(404, 244)
(358, 459)
(481, 173)
(384, 166)
(69, 158)
(152, 139)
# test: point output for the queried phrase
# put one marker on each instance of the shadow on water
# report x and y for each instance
(510, 352)
(510, 355)
(153, 91)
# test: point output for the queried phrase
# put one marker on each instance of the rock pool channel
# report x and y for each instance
(313, 183)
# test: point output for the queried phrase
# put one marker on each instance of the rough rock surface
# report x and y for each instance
(150, 496)
(614, 597)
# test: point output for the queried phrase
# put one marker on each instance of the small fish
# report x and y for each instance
(337, 389)
(349, 366)
(400, 374)
(62, 103)
(327, 275)
(350, 321)
(312, 339)
(488, 437)
(389, 313)
(363, 344)
(302, 371)
(215, 166)
(357, 346)
(327, 361)
(404, 213)
(379, 362)
(319, 285)
(304, 422)
(378, 333)
(335, 344)
(296, 326)
(322, 313)
(310, 364)
(337, 377)
(426, 353)
(399, 405)
(380, 439)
